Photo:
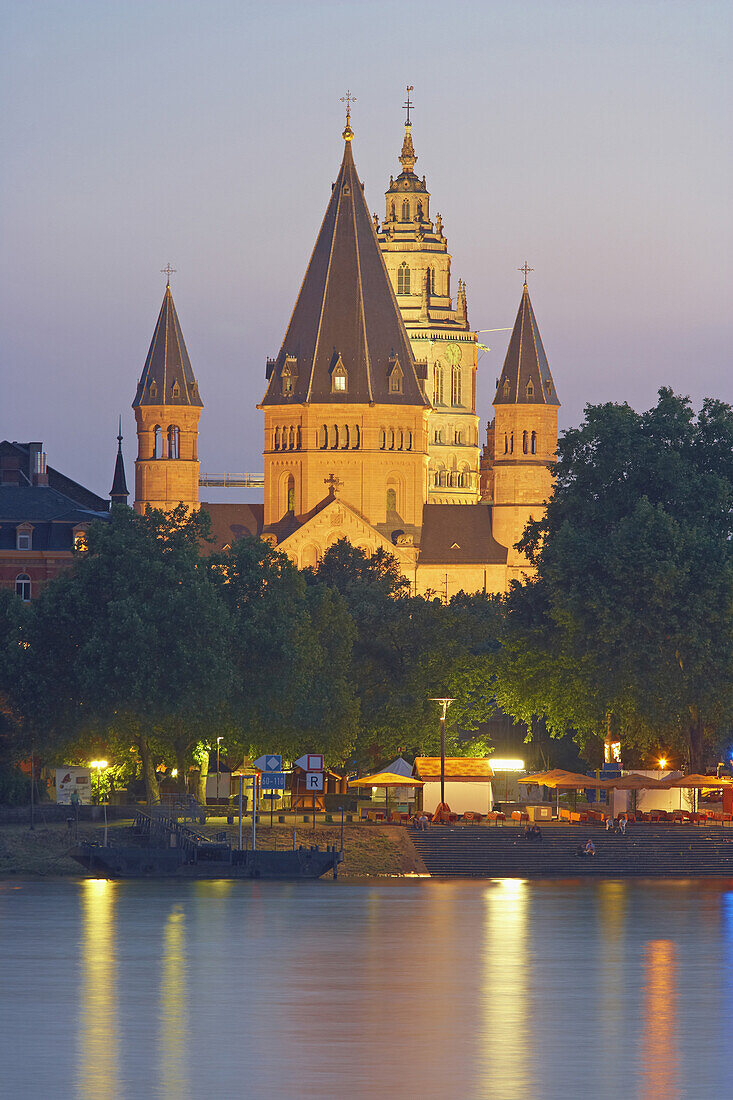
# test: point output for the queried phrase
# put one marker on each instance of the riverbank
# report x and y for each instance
(371, 851)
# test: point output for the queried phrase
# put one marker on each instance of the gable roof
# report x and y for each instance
(459, 534)
(231, 522)
(525, 377)
(466, 768)
(167, 368)
(346, 308)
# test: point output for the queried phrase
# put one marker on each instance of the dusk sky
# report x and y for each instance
(592, 139)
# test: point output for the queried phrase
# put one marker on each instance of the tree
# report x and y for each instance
(132, 639)
(629, 615)
(291, 651)
(408, 650)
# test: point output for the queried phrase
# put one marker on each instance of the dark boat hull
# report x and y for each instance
(132, 861)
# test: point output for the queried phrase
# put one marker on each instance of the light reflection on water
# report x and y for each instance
(508, 989)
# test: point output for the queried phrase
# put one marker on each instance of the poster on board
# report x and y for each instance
(73, 779)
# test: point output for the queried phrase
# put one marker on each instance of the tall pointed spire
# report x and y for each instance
(346, 330)
(526, 377)
(167, 377)
(118, 493)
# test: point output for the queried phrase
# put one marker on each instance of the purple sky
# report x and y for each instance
(592, 139)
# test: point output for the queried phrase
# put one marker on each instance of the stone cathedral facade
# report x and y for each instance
(371, 430)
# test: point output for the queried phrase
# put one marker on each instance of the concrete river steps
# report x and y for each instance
(645, 850)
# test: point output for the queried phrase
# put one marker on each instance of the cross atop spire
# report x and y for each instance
(408, 104)
(168, 271)
(348, 99)
(334, 483)
(526, 269)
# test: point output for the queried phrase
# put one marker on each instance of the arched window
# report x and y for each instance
(391, 439)
(23, 587)
(511, 444)
(276, 444)
(437, 384)
(530, 389)
(157, 441)
(291, 493)
(525, 443)
(392, 212)
(432, 282)
(334, 438)
(298, 438)
(458, 437)
(506, 443)
(382, 439)
(419, 211)
(291, 437)
(323, 437)
(174, 441)
(506, 387)
(409, 441)
(355, 437)
(403, 279)
(405, 211)
(391, 500)
(344, 437)
(455, 386)
(534, 443)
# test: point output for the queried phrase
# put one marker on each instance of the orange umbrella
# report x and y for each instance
(544, 778)
(699, 782)
(635, 782)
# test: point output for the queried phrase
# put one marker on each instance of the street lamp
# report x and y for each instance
(444, 703)
(218, 743)
(99, 766)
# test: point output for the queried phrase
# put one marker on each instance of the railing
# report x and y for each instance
(233, 481)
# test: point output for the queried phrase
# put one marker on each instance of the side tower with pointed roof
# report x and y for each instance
(524, 436)
(415, 251)
(345, 413)
(167, 409)
(118, 494)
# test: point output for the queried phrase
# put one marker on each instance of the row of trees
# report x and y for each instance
(150, 647)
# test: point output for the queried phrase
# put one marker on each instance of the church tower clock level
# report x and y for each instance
(167, 409)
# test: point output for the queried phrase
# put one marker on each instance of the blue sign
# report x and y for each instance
(272, 782)
(270, 762)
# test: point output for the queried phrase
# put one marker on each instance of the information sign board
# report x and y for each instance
(270, 782)
(310, 762)
(270, 762)
(314, 781)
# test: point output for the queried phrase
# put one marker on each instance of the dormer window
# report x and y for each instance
(395, 375)
(506, 388)
(80, 540)
(530, 389)
(153, 390)
(339, 377)
(548, 386)
(24, 537)
(289, 374)
(176, 390)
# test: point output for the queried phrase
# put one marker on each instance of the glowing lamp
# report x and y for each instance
(663, 763)
(508, 765)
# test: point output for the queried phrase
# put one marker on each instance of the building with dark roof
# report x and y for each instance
(351, 414)
(44, 518)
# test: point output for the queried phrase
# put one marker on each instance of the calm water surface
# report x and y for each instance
(501, 989)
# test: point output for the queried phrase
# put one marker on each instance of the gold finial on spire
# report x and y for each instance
(348, 99)
(526, 269)
(168, 271)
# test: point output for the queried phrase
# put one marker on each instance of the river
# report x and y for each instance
(503, 989)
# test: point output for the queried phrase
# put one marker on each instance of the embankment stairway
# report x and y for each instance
(503, 852)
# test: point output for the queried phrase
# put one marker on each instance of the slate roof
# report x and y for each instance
(167, 368)
(526, 378)
(118, 493)
(346, 309)
(231, 522)
(470, 769)
(459, 534)
(52, 515)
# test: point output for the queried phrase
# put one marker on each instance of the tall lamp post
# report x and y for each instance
(218, 743)
(444, 703)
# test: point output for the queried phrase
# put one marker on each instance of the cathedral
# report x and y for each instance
(371, 431)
